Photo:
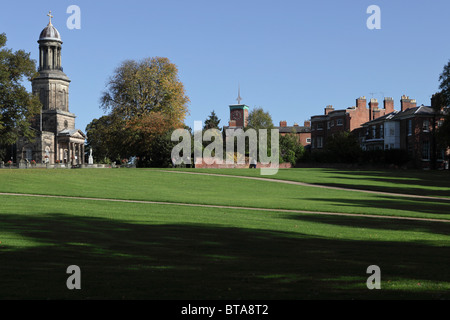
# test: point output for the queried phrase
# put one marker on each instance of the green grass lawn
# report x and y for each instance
(415, 182)
(151, 251)
(156, 185)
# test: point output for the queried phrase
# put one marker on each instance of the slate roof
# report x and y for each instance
(399, 115)
(421, 110)
(289, 129)
(389, 116)
(297, 129)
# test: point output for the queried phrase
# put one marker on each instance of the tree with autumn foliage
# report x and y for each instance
(146, 101)
(141, 87)
(149, 138)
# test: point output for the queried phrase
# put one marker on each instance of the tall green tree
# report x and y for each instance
(291, 150)
(18, 107)
(437, 105)
(141, 87)
(212, 122)
(444, 79)
(106, 137)
(444, 101)
(260, 119)
(343, 147)
(147, 101)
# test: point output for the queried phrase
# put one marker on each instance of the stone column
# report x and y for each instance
(79, 154)
(59, 58)
(73, 151)
(56, 151)
(53, 58)
(49, 57)
(82, 154)
(69, 156)
(41, 58)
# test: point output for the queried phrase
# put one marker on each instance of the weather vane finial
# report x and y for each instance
(50, 16)
(239, 95)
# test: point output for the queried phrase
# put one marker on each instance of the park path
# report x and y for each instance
(314, 185)
(223, 207)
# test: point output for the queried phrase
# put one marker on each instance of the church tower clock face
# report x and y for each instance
(236, 115)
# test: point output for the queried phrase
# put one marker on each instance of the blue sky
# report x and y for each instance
(290, 57)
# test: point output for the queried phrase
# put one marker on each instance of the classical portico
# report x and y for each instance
(70, 147)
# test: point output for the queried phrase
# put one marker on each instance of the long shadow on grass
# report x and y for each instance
(414, 183)
(121, 260)
(428, 206)
(430, 227)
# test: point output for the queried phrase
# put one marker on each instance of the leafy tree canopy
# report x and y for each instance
(141, 87)
(442, 99)
(105, 136)
(146, 102)
(343, 146)
(17, 106)
(259, 119)
(444, 79)
(212, 122)
(291, 150)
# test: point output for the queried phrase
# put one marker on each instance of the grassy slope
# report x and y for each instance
(159, 186)
(128, 250)
(416, 182)
(131, 251)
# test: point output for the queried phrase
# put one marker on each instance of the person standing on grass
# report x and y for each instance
(253, 163)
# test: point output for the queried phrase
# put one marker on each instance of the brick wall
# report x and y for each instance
(224, 165)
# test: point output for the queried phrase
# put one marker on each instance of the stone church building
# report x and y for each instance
(57, 140)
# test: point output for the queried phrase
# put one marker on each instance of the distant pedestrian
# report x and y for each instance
(253, 163)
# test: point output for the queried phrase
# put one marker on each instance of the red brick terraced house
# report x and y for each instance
(303, 133)
(350, 119)
(409, 129)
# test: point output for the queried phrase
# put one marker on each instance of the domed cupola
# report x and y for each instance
(50, 48)
(50, 33)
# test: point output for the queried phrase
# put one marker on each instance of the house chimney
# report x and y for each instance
(328, 109)
(407, 103)
(307, 124)
(283, 124)
(388, 105)
(373, 106)
(361, 102)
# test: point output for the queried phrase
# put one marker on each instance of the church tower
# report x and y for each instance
(52, 84)
(238, 113)
(57, 140)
